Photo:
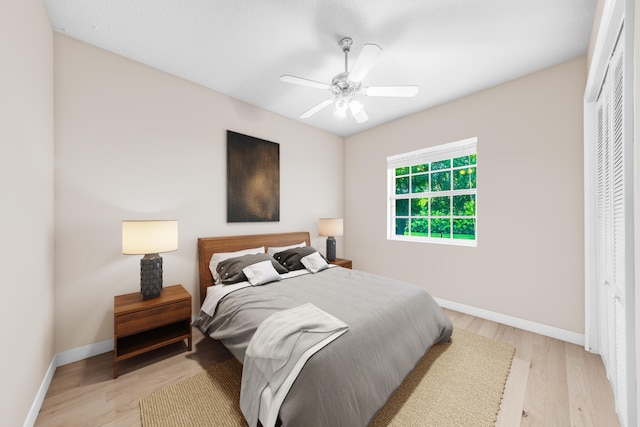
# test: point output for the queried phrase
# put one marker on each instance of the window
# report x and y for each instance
(433, 194)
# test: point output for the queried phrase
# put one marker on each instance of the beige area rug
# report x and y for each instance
(457, 384)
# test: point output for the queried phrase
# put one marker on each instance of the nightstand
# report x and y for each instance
(141, 325)
(346, 263)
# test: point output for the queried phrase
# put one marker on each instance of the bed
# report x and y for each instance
(391, 325)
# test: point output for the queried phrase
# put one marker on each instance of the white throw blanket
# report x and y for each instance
(280, 343)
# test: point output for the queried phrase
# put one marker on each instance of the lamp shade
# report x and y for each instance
(149, 237)
(330, 227)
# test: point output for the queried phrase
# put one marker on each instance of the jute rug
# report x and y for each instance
(457, 384)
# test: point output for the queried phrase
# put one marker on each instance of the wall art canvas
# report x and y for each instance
(253, 179)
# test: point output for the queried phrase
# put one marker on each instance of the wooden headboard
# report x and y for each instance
(207, 246)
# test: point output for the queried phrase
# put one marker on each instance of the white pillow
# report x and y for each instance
(314, 262)
(261, 273)
(274, 250)
(219, 257)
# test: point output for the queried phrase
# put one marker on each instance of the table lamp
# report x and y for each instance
(149, 238)
(331, 227)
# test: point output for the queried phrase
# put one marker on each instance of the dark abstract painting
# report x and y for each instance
(253, 179)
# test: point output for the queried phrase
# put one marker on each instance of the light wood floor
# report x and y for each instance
(552, 383)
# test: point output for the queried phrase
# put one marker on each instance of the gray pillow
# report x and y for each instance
(230, 270)
(291, 257)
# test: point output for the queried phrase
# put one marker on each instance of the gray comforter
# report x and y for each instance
(391, 326)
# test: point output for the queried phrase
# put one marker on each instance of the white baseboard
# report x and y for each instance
(42, 392)
(60, 359)
(84, 352)
(527, 325)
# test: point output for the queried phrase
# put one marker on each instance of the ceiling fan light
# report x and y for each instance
(341, 107)
(357, 111)
(355, 107)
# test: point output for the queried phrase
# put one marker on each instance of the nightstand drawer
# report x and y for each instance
(143, 320)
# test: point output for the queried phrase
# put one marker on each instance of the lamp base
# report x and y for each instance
(151, 276)
(331, 248)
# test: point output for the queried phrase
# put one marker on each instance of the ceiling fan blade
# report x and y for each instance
(357, 111)
(303, 82)
(310, 112)
(365, 61)
(402, 91)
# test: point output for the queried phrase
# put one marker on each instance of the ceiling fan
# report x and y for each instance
(346, 85)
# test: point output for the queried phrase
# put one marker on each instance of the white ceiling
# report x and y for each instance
(449, 48)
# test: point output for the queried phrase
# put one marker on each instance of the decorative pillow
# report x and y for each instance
(291, 257)
(261, 273)
(275, 249)
(314, 262)
(217, 258)
(230, 270)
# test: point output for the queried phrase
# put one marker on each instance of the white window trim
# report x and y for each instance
(426, 155)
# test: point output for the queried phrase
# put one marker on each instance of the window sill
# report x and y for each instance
(450, 242)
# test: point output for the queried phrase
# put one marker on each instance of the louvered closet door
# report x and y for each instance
(610, 219)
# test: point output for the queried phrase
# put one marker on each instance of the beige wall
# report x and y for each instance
(134, 143)
(529, 259)
(26, 183)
